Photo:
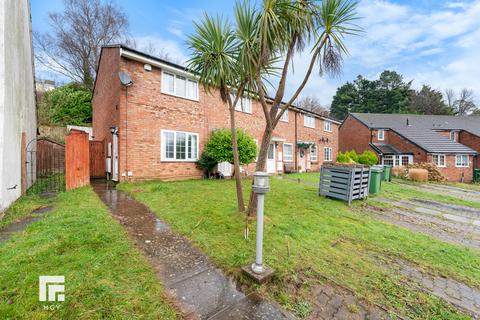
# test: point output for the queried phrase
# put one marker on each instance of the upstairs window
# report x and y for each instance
(381, 134)
(439, 160)
(453, 136)
(308, 121)
(243, 105)
(462, 161)
(327, 126)
(284, 117)
(179, 146)
(179, 86)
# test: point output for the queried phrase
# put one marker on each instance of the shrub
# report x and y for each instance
(220, 148)
(352, 154)
(69, 104)
(368, 158)
(420, 175)
(342, 158)
(206, 163)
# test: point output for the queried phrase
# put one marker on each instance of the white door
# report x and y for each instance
(115, 158)
(271, 158)
(302, 163)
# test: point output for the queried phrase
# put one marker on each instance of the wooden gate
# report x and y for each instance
(97, 159)
(77, 160)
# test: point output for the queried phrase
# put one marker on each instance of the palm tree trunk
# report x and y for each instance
(236, 162)
(260, 166)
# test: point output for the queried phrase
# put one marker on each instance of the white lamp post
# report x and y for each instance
(260, 187)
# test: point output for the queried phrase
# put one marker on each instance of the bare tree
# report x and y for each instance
(450, 98)
(72, 48)
(312, 104)
(465, 104)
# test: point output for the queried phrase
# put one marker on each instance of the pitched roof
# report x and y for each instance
(421, 129)
(385, 148)
(185, 69)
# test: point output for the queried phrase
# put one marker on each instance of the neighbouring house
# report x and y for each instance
(155, 125)
(44, 85)
(452, 143)
(17, 98)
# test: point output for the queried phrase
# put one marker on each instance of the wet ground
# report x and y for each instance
(443, 189)
(201, 290)
(450, 223)
(22, 224)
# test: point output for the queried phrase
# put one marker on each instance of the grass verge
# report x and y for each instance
(307, 238)
(80, 241)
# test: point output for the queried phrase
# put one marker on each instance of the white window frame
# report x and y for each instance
(243, 105)
(437, 161)
(174, 159)
(284, 117)
(314, 155)
(381, 134)
(327, 154)
(462, 164)
(174, 93)
(389, 158)
(306, 119)
(288, 157)
(452, 136)
(327, 126)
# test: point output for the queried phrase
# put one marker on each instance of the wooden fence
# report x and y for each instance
(97, 159)
(77, 160)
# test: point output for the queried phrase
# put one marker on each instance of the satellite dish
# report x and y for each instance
(125, 79)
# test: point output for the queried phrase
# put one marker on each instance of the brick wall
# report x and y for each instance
(472, 141)
(453, 173)
(149, 111)
(404, 145)
(354, 135)
(105, 100)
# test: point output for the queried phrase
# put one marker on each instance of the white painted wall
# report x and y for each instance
(17, 97)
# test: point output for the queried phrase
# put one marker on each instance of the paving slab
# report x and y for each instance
(199, 287)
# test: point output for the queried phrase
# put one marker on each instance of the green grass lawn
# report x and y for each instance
(307, 238)
(397, 191)
(105, 275)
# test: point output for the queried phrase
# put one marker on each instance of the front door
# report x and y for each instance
(271, 158)
(115, 158)
(302, 163)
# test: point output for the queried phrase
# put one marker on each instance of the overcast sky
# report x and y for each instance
(428, 41)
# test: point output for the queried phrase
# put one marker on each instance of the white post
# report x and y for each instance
(257, 267)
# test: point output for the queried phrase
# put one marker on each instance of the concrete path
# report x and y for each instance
(443, 189)
(201, 290)
(449, 223)
(23, 223)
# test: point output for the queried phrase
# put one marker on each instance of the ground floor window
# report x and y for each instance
(462, 160)
(287, 152)
(179, 146)
(313, 153)
(397, 160)
(439, 160)
(327, 154)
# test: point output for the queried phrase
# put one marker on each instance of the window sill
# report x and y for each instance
(176, 161)
(243, 111)
(462, 166)
(328, 131)
(309, 127)
(177, 96)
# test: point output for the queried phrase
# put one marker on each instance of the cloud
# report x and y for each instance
(167, 48)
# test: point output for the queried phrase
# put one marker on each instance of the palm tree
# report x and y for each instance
(215, 58)
(283, 28)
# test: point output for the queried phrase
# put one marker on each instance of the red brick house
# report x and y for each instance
(157, 126)
(452, 143)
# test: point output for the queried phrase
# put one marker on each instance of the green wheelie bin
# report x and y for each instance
(376, 173)
(387, 173)
(476, 175)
